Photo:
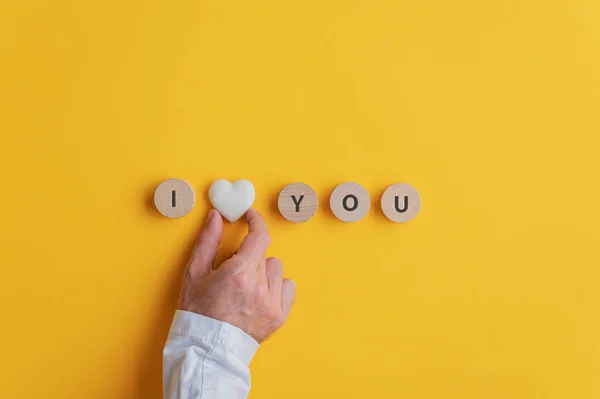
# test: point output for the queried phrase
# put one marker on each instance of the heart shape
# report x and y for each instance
(232, 200)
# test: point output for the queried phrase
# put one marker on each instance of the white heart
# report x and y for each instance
(232, 200)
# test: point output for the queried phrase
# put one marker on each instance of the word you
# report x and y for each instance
(297, 202)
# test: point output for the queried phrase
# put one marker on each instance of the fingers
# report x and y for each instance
(288, 295)
(207, 246)
(274, 276)
(283, 290)
(257, 241)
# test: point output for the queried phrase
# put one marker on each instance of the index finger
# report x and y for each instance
(257, 241)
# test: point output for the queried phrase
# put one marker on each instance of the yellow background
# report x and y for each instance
(489, 108)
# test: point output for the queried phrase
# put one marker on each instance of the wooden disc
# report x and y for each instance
(174, 198)
(400, 202)
(349, 202)
(297, 202)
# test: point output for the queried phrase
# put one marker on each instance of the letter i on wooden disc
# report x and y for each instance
(297, 202)
(349, 202)
(400, 202)
(174, 198)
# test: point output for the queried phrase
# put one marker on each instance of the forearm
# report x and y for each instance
(206, 358)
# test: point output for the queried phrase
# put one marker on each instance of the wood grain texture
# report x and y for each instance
(174, 198)
(350, 202)
(297, 202)
(400, 202)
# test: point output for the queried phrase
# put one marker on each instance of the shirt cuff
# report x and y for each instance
(218, 333)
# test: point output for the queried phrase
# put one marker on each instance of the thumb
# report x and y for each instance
(288, 295)
(207, 245)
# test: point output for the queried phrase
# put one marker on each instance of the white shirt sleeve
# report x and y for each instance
(206, 359)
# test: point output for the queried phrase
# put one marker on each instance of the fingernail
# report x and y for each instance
(211, 215)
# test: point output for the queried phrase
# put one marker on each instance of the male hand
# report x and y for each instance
(247, 290)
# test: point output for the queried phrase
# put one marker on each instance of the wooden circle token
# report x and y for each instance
(174, 198)
(297, 202)
(400, 202)
(349, 202)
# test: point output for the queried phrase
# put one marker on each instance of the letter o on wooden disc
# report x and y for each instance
(349, 202)
(174, 198)
(297, 202)
(400, 202)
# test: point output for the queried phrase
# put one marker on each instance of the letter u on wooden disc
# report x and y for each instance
(400, 202)
(349, 202)
(174, 198)
(297, 202)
